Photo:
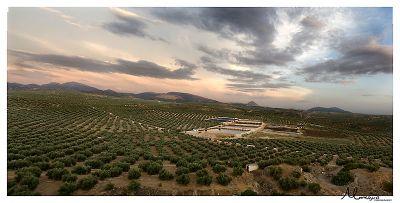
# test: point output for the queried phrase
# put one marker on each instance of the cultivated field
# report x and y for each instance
(70, 143)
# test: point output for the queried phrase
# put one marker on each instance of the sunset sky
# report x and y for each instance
(278, 57)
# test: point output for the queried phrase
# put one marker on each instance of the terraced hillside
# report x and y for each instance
(69, 143)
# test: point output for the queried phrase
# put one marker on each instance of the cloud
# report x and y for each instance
(129, 24)
(360, 57)
(239, 24)
(368, 95)
(243, 80)
(253, 87)
(312, 22)
(254, 29)
(135, 68)
(66, 18)
(239, 74)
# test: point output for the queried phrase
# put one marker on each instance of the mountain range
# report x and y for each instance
(169, 96)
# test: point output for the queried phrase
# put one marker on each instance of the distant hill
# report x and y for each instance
(174, 96)
(75, 86)
(17, 86)
(56, 86)
(251, 103)
(328, 110)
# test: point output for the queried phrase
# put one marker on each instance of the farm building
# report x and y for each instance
(223, 119)
(246, 121)
(251, 167)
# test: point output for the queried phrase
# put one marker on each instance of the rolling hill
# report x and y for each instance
(75, 86)
(328, 110)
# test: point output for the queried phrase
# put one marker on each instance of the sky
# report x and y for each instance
(295, 58)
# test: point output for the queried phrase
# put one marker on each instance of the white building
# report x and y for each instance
(251, 167)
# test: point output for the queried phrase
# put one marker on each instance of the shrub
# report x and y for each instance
(193, 167)
(306, 168)
(56, 173)
(80, 170)
(143, 165)
(202, 172)
(134, 186)
(21, 190)
(87, 182)
(288, 183)
(68, 161)
(204, 163)
(151, 168)
(123, 165)
(11, 183)
(43, 165)
(182, 163)
(69, 178)
(275, 172)
(20, 163)
(67, 188)
(302, 183)
(237, 171)
(223, 179)
(106, 157)
(80, 157)
(372, 167)
(314, 187)
(115, 171)
(148, 156)
(109, 186)
(204, 180)
(295, 174)
(182, 170)
(342, 161)
(134, 173)
(27, 171)
(217, 168)
(130, 159)
(343, 177)
(183, 179)
(388, 186)
(248, 192)
(30, 181)
(263, 164)
(104, 173)
(94, 163)
(165, 175)
(57, 164)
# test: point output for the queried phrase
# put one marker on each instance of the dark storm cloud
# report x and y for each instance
(368, 59)
(222, 54)
(243, 80)
(185, 64)
(254, 24)
(239, 74)
(251, 27)
(129, 26)
(135, 68)
(254, 28)
(257, 57)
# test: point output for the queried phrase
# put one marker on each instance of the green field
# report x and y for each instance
(79, 140)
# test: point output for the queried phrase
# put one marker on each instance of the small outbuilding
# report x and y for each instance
(251, 167)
